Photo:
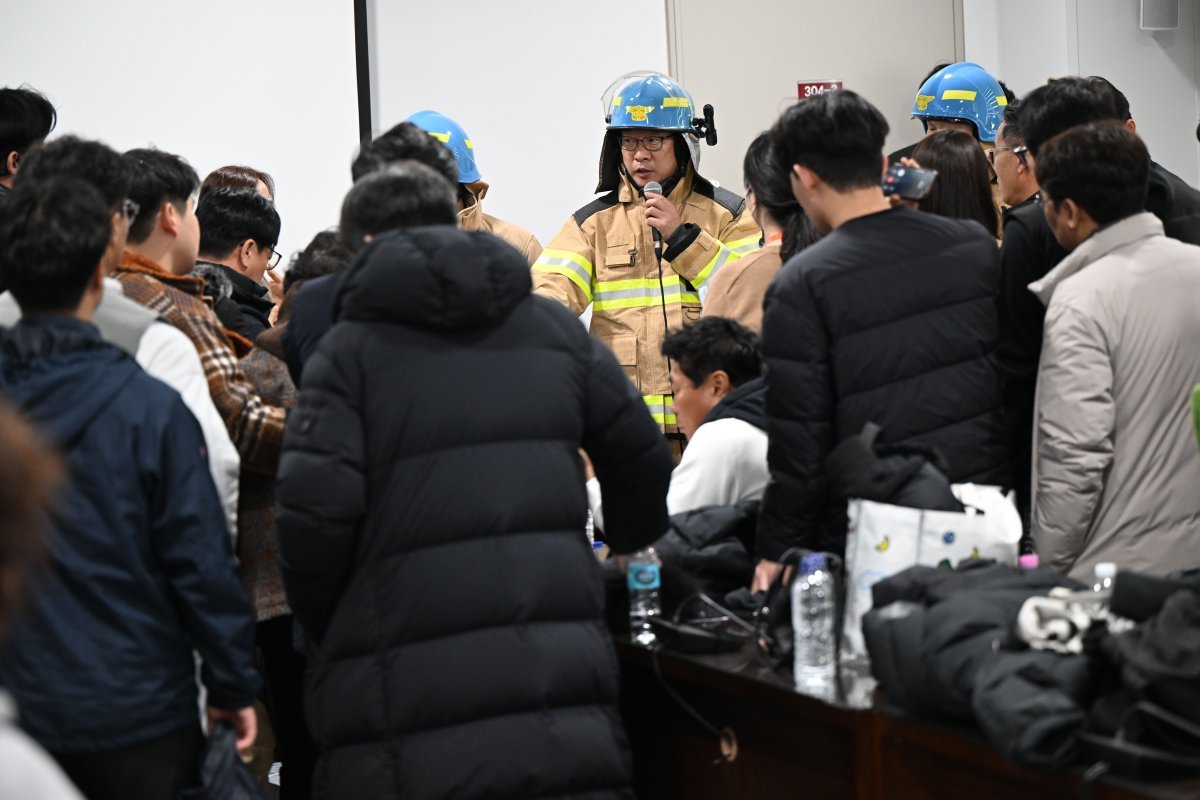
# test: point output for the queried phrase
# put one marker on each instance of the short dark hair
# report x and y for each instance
(963, 187)
(773, 191)
(324, 255)
(1120, 101)
(236, 176)
(229, 217)
(936, 69)
(52, 237)
(1009, 94)
(1051, 109)
(70, 156)
(407, 194)
(1102, 166)
(155, 178)
(715, 343)
(1014, 132)
(838, 135)
(29, 474)
(405, 142)
(26, 118)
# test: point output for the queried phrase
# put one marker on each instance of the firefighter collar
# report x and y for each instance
(630, 191)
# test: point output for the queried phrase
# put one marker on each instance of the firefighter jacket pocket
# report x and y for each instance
(620, 255)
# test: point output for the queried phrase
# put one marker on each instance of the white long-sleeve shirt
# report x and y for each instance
(167, 354)
(724, 463)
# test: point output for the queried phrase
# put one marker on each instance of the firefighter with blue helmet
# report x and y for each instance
(607, 254)
(962, 95)
(471, 186)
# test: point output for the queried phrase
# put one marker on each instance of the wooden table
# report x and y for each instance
(793, 745)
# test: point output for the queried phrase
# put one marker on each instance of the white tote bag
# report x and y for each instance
(882, 540)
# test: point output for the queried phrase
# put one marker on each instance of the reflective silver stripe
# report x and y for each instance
(570, 264)
(746, 248)
(726, 255)
(626, 294)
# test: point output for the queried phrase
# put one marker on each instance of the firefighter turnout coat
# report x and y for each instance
(604, 255)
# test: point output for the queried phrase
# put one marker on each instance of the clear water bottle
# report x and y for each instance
(644, 577)
(1105, 571)
(813, 602)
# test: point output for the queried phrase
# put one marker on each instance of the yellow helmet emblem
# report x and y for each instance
(638, 113)
(923, 101)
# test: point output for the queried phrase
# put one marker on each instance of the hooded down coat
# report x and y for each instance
(431, 515)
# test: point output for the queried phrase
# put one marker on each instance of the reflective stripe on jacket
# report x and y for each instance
(604, 255)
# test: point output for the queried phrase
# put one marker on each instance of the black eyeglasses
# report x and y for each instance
(651, 143)
(273, 261)
(130, 209)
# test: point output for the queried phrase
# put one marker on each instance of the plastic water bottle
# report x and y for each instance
(1105, 572)
(644, 577)
(812, 622)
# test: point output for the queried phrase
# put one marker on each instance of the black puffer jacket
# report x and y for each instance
(431, 516)
(889, 319)
(932, 630)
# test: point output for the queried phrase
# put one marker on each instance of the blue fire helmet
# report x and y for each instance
(649, 100)
(963, 92)
(451, 134)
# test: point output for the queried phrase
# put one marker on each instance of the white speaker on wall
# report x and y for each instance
(1160, 15)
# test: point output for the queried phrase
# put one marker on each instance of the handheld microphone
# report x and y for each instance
(654, 187)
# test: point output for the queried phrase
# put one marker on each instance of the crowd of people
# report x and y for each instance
(343, 508)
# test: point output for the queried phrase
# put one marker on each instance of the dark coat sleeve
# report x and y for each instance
(191, 543)
(1022, 261)
(311, 318)
(631, 458)
(321, 492)
(800, 405)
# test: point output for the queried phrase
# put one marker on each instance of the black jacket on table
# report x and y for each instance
(940, 646)
(247, 309)
(142, 565)
(889, 319)
(431, 513)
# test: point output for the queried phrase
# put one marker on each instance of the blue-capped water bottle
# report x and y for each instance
(812, 622)
(644, 577)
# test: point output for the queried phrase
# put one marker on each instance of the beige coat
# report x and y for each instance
(472, 218)
(737, 292)
(604, 255)
(1116, 470)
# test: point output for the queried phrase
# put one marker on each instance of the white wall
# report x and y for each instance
(745, 59)
(524, 80)
(1155, 69)
(268, 83)
(1032, 40)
